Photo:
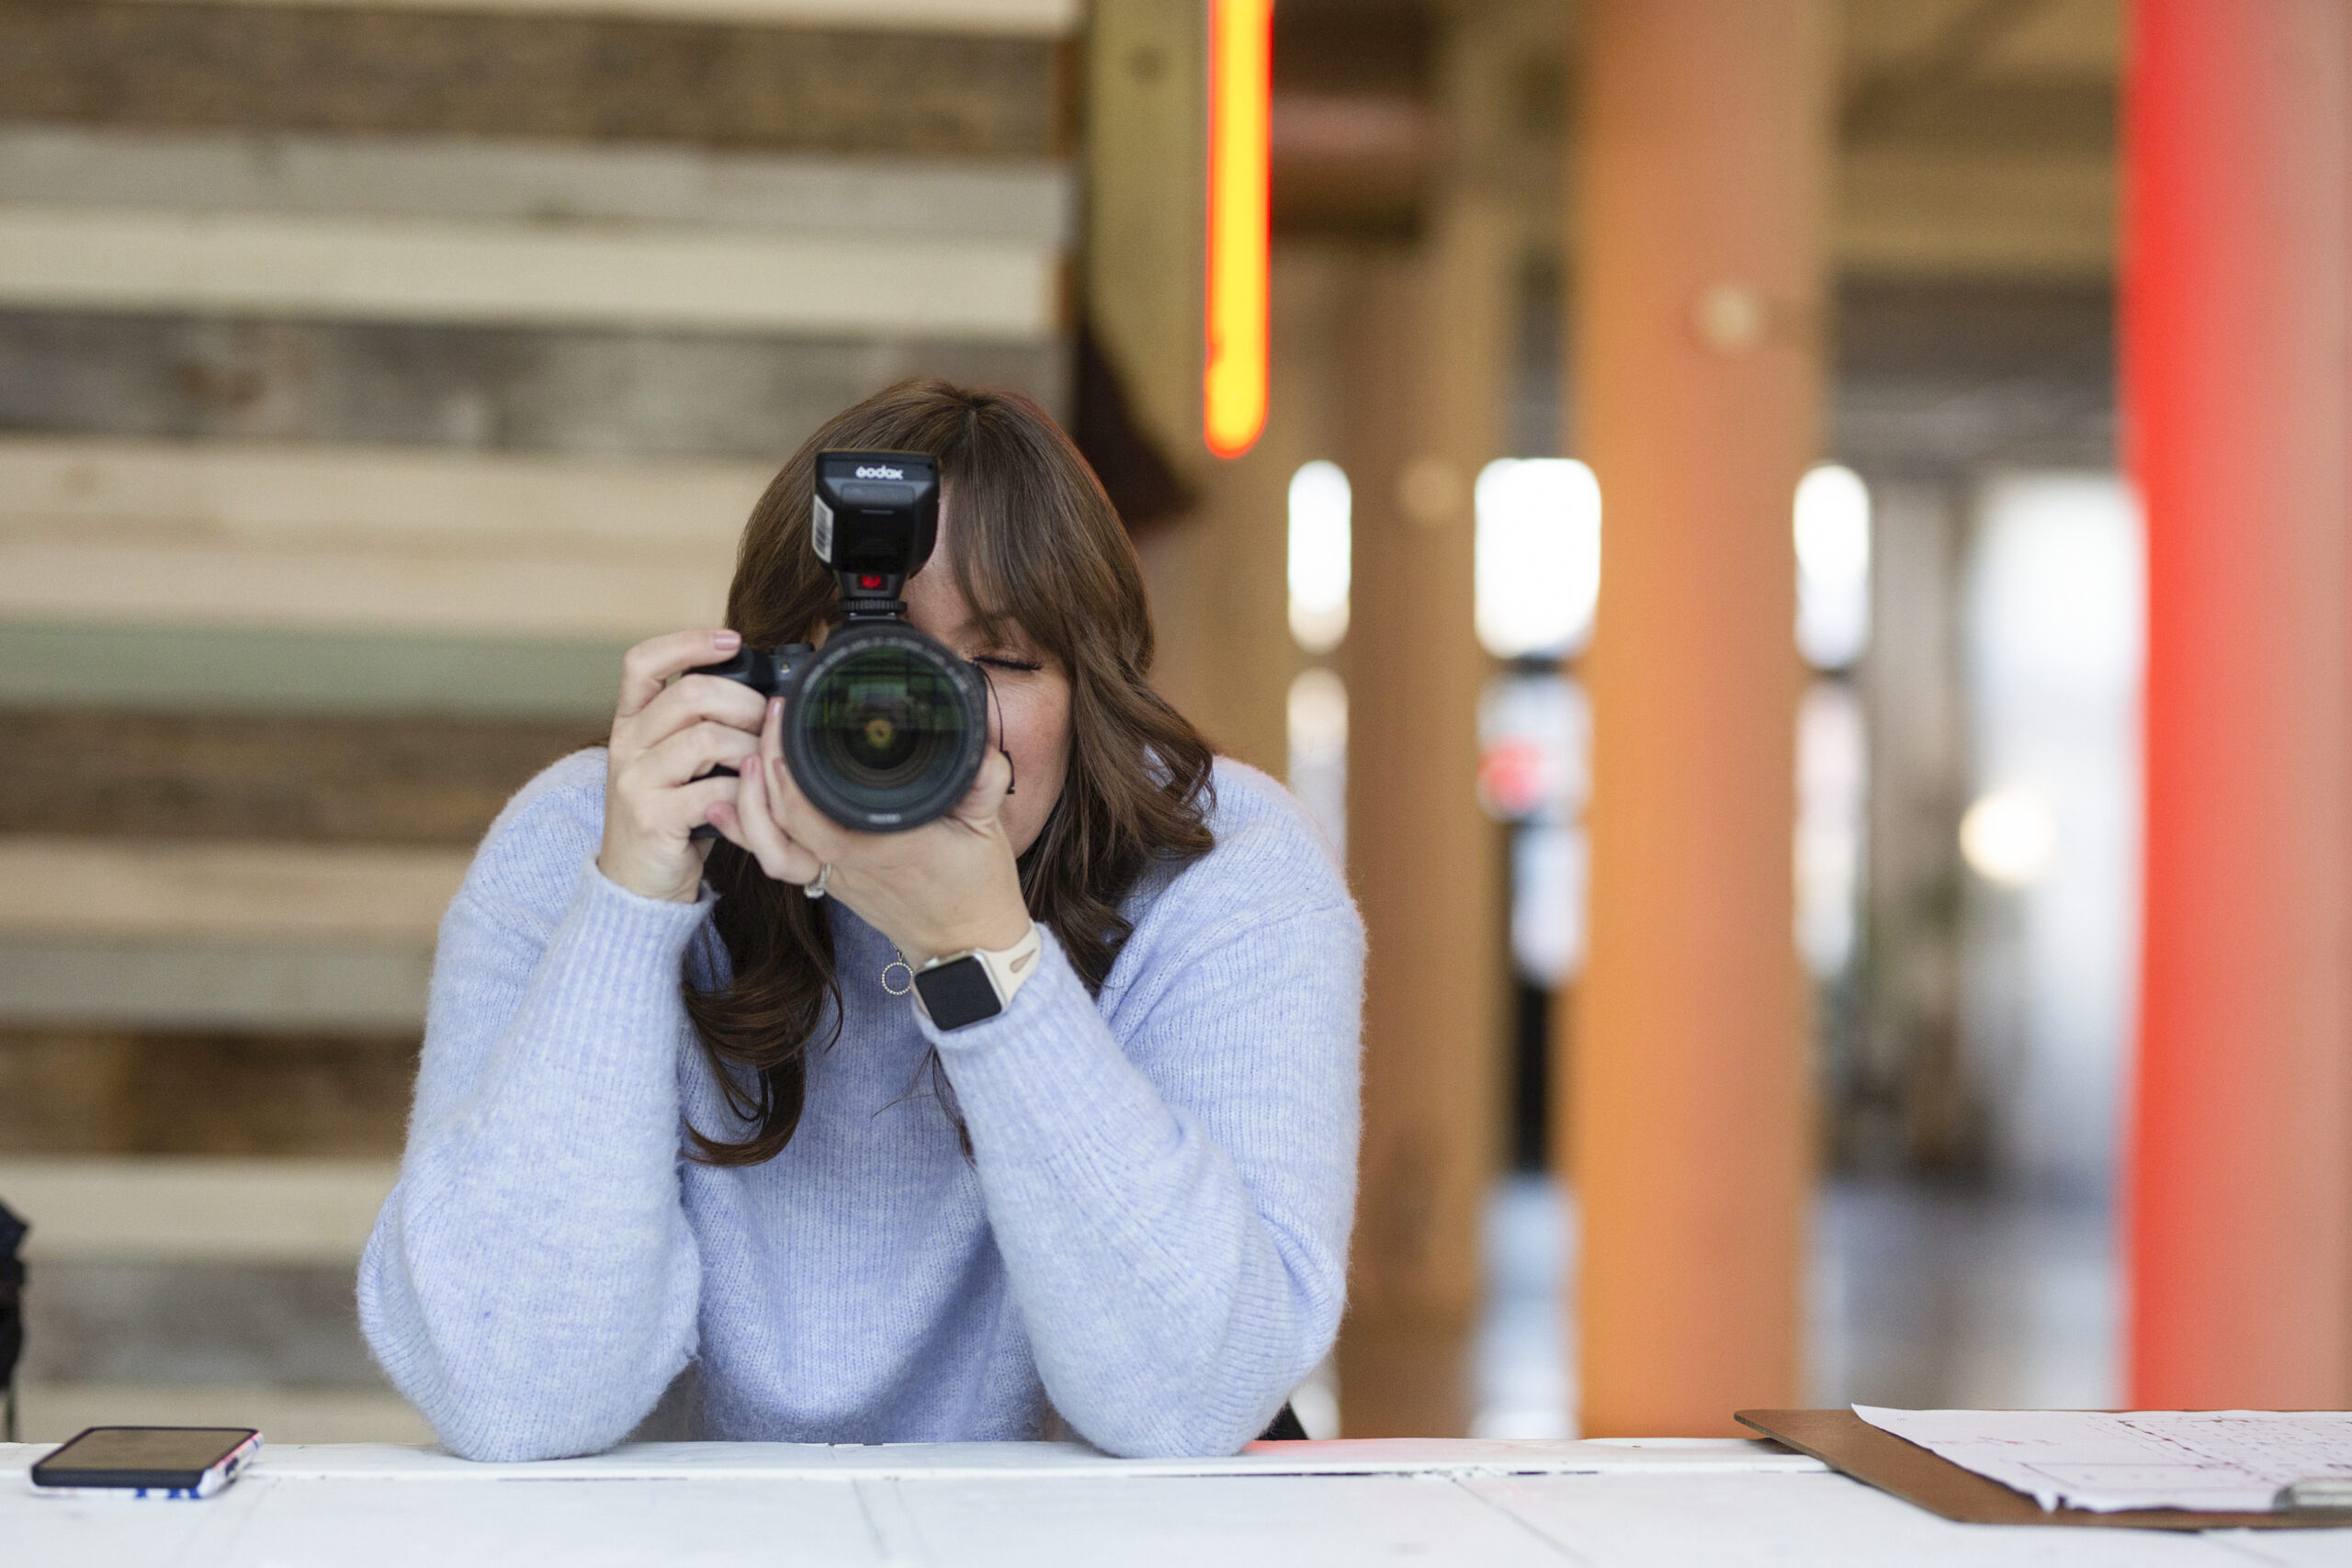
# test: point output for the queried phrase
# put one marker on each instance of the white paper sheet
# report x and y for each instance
(2225, 1461)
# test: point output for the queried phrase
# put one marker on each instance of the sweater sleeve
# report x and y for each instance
(531, 1284)
(1173, 1201)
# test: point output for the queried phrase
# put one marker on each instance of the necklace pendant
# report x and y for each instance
(899, 964)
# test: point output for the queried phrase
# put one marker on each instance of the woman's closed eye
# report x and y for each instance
(1007, 661)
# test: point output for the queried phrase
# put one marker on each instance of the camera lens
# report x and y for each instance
(886, 728)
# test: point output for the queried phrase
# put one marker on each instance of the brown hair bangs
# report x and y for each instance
(1034, 546)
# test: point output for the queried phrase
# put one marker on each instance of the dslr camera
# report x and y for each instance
(884, 727)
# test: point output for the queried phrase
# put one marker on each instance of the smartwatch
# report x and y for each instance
(964, 989)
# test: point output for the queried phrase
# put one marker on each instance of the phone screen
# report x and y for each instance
(143, 1451)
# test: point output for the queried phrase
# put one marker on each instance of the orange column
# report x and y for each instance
(1697, 299)
(2240, 1232)
(1424, 340)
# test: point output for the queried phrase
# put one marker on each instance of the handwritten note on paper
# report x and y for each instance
(2223, 1460)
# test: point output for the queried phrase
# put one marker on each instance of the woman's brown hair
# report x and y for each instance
(1034, 546)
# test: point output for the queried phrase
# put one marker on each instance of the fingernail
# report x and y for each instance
(727, 642)
(776, 706)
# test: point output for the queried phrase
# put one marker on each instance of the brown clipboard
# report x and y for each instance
(1847, 1443)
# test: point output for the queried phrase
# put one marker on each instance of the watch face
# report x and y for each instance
(959, 993)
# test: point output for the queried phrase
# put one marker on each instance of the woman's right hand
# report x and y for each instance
(666, 734)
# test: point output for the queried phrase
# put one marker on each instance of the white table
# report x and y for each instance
(1608, 1504)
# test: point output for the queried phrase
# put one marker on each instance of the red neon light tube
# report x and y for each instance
(1242, 82)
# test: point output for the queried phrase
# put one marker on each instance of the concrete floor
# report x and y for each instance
(1923, 1296)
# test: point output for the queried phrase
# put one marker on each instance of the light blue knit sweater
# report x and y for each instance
(1152, 1232)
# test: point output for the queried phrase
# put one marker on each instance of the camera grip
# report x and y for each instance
(705, 830)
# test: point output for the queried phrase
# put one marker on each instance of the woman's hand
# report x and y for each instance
(946, 886)
(666, 734)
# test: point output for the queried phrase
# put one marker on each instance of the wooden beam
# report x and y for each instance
(134, 585)
(351, 69)
(1219, 580)
(389, 499)
(1017, 18)
(1920, 212)
(255, 497)
(1698, 309)
(1146, 151)
(598, 390)
(1216, 575)
(278, 1211)
(1969, 35)
(182, 984)
(149, 534)
(98, 669)
(384, 779)
(550, 184)
(116, 1088)
(145, 887)
(414, 269)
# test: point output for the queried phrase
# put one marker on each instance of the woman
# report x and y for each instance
(678, 1111)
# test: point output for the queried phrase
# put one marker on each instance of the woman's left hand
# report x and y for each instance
(947, 887)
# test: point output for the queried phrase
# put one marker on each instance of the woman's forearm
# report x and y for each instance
(531, 1283)
(1174, 1213)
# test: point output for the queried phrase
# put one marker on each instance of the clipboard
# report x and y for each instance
(1847, 1443)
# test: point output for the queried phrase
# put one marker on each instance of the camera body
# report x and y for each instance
(884, 727)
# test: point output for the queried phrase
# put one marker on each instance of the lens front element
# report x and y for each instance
(887, 728)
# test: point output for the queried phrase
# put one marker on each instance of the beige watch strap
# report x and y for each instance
(1009, 967)
(1013, 966)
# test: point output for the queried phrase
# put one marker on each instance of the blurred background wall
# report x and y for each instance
(1966, 607)
(371, 375)
(371, 378)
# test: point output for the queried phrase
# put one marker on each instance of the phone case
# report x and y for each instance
(223, 1470)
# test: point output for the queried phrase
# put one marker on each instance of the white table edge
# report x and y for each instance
(812, 1461)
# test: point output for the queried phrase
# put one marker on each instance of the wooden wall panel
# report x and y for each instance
(88, 61)
(332, 672)
(113, 1322)
(189, 812)
(560, 390)
(147, 887)
(416, 269)
(270, 982)
(1018, 18)
(454, 507)
(276, 1211)
(72, 1091)
(384, 780)
(556, 185)
(321, 537)
(195, 583)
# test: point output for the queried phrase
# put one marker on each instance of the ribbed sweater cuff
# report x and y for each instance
(1045, 1078)
(608, 920)
(617, 957)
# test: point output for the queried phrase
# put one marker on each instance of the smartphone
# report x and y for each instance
(146, 1462)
